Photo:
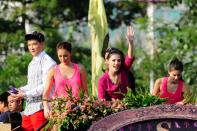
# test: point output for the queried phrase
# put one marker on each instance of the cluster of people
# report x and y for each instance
(47, 80)
(11, 110)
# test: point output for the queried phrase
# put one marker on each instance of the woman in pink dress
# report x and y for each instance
(114, 82)
(65, 76)
(172, 87)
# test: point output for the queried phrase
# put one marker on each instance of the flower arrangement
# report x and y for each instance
(72, 113)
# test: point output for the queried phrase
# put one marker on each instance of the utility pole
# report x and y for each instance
(151, 39)
(151, 35)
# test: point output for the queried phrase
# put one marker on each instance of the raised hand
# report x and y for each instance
(130, 37)
(130, 34)
(18, 95)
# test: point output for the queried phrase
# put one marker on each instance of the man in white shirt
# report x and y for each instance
(38, 68)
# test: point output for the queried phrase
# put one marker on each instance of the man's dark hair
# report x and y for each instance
(4, 98)
(35, 36)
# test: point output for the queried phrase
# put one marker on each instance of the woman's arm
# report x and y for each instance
(156, 88)
(130, 37)
(129, 57)
(186, 92)
(84, 79)
(101, 90)
(47, 89)
(186, 89)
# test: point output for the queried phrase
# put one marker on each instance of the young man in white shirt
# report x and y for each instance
(38, 68)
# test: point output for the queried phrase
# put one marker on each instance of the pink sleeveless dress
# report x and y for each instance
(172, 98)
(62, 84)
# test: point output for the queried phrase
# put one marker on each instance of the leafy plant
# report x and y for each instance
(140, 100)
(72, 113)
(192, 96)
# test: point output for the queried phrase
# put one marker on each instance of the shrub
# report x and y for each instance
(77, 114)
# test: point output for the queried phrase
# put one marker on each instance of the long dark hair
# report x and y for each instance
(131, 81)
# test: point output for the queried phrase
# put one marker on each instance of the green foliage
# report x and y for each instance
(54, 14)
(141, 100)
(190, 15)
(192, 96)
(11, 40)
(119, 12)
(52, 38)
(14, 71)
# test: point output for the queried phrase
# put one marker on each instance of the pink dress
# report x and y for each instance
(172, 98)
(62, 84)
(107, 90)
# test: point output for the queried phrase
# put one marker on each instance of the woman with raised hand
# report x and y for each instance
(114, 82)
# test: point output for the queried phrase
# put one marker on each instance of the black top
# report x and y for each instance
(14, 118)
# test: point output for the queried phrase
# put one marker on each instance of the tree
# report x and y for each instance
(53, 14)
(13, 71)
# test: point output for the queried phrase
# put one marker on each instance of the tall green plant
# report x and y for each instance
(192, 96)
(141, 99)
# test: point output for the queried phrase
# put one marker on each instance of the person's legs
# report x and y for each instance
(26, 123)
(37, 119)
